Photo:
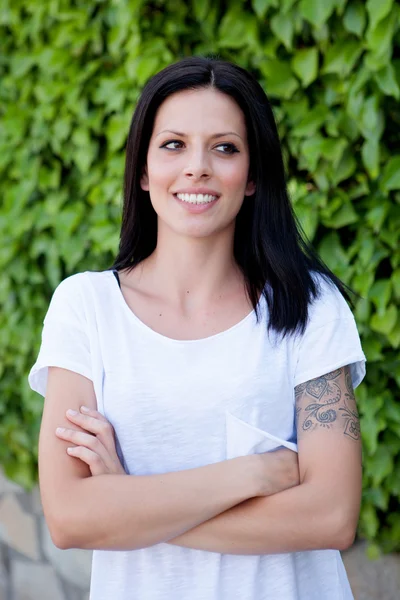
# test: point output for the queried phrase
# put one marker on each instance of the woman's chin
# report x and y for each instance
(195, 230)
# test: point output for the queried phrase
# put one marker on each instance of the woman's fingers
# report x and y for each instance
(93, 460)
(106, 462)
(102, 442)
(91, 412)
(80, 438)
(92, 421)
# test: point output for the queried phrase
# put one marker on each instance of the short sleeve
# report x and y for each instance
(331, 339)
(65, 341)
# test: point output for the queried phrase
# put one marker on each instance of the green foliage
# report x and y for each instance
(71, 73)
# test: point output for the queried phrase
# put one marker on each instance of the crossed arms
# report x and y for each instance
(217, 508)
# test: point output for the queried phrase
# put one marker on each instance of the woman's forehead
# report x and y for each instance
(200, 111)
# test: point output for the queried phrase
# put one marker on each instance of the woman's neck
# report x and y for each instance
(192, 273)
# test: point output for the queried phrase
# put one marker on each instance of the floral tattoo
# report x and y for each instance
(328, 401)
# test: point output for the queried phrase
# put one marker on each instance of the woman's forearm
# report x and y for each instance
(294, 520)
(121, 512)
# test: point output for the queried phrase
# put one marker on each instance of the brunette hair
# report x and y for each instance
(269, 245)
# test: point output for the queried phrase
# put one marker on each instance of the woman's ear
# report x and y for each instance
(250, 188)
(144, 180)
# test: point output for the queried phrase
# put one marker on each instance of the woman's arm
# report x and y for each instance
(121, 511)
(321, 512)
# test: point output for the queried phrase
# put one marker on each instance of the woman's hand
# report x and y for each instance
(95, 445)
(279, 471)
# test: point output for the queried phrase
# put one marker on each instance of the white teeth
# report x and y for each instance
(196, 198)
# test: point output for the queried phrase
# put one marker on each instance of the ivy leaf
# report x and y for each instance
(333, 148)
(261, 6)
(366, 250)
(341, 57)
(69, 219)
(379, 38)
(371, 426)
(312, 121)
(380, 294)
(305, 65)
(286, 5)
(378, 10)
(370, 118)
(394, 336)
(332, 252)
(391, 175)
(201, 8)
(117, 34)
(362, 283)
(311, 151)
(279, 78)
(355, 18)
(117, 131)
(317, 12)
(386, 79)
(380, 464)
(384, 323)
(308, 218)
(62, 128)
(146, 66)
(21, 64)
(362, 315)
(394, 486)
(377, 496)
(345, 168)
(369, 520)
(395, 278)
(370, 155)
(346, 215)
(283, 28)
(376, 216)
(235, 29)
(377, 61)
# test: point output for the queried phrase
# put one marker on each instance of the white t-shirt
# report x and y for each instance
(184, 404)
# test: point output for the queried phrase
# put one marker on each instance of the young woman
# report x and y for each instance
(227, 348)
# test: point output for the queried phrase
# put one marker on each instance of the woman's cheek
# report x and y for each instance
(163, 173)
(235, 176)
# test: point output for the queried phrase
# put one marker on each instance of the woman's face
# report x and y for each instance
(198, 163)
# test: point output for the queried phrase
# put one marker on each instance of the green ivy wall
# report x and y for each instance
(70, 75)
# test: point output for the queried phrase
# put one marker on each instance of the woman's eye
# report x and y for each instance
(177, 145)
(173, 145)
(227, 148)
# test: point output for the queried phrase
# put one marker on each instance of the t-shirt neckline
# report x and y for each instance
(166, 339)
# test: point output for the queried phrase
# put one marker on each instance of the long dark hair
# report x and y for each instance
(269, 246)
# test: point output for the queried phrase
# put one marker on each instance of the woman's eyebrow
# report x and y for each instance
(178, 133)
(215, 135)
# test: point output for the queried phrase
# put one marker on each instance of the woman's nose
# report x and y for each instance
(198, 166)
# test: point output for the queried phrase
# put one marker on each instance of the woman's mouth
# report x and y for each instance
(197, 199)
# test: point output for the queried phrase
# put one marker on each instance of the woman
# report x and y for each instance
(226, 326)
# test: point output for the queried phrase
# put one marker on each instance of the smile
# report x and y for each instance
(196, 198)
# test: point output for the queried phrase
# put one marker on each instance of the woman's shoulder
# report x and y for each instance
(77, 288)
(329, 303)
(83, 279)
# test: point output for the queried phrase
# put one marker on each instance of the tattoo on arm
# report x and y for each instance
(328, 401)
(349, 410)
